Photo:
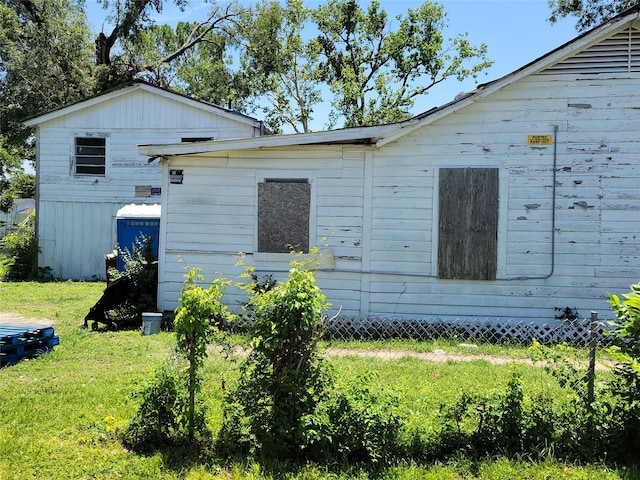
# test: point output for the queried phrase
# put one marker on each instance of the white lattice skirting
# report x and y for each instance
(488, 330)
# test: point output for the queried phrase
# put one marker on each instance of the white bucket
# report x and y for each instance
(151, 323)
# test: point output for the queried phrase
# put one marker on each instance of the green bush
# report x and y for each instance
(141, 265)
(623, 432)
(156, 424)
(19, 256)
(287, 404)
(356, 425)
(170, 413)
(200, 313)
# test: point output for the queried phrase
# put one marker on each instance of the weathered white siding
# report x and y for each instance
(376, 209)
(76, 214)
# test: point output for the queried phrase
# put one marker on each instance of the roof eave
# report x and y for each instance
(358, 135)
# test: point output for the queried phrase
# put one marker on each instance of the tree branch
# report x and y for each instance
(199, 33)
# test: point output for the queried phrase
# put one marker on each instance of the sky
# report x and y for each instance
(516, 32)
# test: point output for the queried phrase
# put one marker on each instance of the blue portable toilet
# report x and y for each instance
(135, 220)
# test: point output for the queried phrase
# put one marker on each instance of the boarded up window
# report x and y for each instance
(283, 215)
(468, 223)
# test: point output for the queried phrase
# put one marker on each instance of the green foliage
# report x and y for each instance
(281, 66)
(588, 13)
(284, 377)
(156, 424)
(141, 265)
(47, 57)
(19, 254)
(23, 184)
(10, 158)
(356, 424)
(287, 404)
(170, 413)
(626, 333)
(376, 68)
(624, 409)
(203, 71)
(199, 314)
(505, 422)
(59, 412)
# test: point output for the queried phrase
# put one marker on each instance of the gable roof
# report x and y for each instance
(132, 87)
(544, 64)
(585, 45)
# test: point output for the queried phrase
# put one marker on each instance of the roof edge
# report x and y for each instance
(131, 86)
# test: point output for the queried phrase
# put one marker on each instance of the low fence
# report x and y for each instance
(575, 332)
(496, 342)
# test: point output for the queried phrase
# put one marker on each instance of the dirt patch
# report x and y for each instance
(17, 319)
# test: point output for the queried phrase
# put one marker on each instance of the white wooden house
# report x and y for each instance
(512, 201)
(88, 166)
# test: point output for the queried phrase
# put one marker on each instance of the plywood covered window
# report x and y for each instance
(90, 156)
(468, 223)
(284, 205)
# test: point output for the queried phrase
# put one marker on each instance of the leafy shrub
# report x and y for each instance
(141, 265)
(170, 412)
(156, 424)
(623, 432)
(355, 425)
(626, 333)
(20, 257)
(287, 404)
(199, 314)
(506, 422)
(283, 378)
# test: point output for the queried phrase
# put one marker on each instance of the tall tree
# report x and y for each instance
(376, 68)
(280, 65)
(45, 62)
(9, 165)
(203, 71)
(133, 26)
(45, 59)
(588, 13)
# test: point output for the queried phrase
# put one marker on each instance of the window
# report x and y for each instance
(283, 215)
(90, 156)
(468, 223)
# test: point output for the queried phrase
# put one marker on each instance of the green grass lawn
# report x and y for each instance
(59, 412)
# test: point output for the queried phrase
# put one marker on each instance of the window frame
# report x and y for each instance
(76, 155)
(262, 177)
(499, 245)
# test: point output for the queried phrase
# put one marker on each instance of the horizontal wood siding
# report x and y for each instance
(212, 216)
(138, 117)
(383, 215)
(597, 225)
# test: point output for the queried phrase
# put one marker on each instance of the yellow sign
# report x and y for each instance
(540, 139)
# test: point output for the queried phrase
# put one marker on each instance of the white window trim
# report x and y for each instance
(262, 176)
(107, 155)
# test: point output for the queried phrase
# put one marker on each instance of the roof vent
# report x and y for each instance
(617, 54)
